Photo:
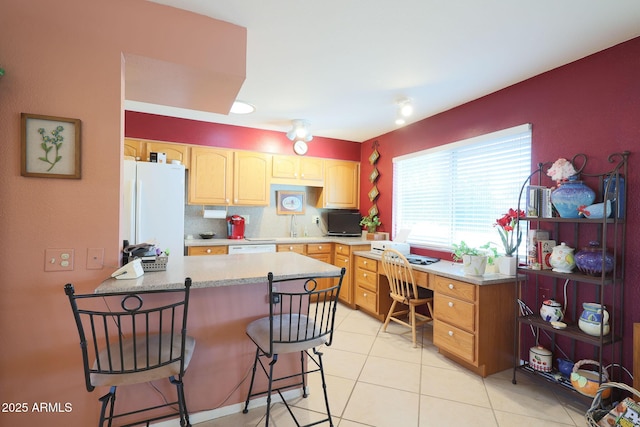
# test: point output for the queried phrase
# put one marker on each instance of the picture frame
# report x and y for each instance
(373, 193)
(290, 202)
(373, 210)
(373, 158)
(50, 146)
(373, 176)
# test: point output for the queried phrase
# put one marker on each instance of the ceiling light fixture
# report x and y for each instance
(241, 107)
(405, 109)
(300, 131)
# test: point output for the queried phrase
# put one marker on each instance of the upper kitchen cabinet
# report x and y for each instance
(294, 170)
(179, 152)
(210, 176)
(251, 178)
(134, 148)
(341, 185)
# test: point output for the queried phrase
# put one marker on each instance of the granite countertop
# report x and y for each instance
(223, 270)
(277, 240)
(452, 270)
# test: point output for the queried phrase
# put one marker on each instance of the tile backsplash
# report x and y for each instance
(263, 221)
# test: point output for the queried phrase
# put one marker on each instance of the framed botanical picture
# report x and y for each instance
(373, 158)
(290, 202)
(373, 176)
(50, 146)
(373, 210)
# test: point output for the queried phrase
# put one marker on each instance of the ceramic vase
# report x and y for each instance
(592, 318)
(507, 265)
(562, 259)
(570, 196)
(551, 311)
(474, 265)
(589, 260)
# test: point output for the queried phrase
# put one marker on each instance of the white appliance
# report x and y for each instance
(251, 249)
(378, 246)
(153, 205)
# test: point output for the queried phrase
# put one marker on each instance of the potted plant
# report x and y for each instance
(506, 228)
(474, 260)
(372, 222)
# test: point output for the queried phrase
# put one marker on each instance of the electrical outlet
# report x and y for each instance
(58, 259)
(95, 258)
(246, 219)
(315, 219)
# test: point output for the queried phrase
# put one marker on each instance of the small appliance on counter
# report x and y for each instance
(378, 246)
(235, 227)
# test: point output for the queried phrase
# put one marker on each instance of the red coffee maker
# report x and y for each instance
(235, 227)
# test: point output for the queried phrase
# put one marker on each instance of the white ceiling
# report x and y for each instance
(343, 64)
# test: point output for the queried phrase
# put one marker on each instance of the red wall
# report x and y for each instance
(590, 106)
(162, 128)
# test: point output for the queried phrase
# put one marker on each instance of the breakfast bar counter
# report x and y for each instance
(223, 270)
(227, 293)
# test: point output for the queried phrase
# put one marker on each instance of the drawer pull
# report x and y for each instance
(208, 251)
(364, 275)
(365, 263)
(290, 248)
(450, 333)
(364, 294)
(450, 304)
(450, 285)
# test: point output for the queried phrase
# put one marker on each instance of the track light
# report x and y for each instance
(300, 131)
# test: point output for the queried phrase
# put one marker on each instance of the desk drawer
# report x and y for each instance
(343, 249)
(366, 299)
(455, 288)
(454, 340)
(454, 311)
(367, 279)
(367, 264)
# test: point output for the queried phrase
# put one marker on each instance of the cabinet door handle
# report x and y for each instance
(346, 261)
(450, 304)
(450, 285)
(364, 295)
(450, 333)
(208, 251)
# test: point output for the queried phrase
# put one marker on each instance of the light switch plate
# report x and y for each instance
(58, 259)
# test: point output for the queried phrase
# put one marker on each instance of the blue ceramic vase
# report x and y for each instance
(570, 196)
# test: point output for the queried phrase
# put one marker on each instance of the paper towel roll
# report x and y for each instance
(215, 214)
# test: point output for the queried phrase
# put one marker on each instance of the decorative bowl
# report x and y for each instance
(586, 382)
(208, 235)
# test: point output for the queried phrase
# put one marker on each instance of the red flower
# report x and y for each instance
(506, 224)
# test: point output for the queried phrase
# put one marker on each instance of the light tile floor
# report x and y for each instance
(378, 379)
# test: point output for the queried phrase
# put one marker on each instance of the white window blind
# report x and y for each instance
(457, 191)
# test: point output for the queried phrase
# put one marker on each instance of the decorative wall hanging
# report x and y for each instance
(373, 210)
(50, 146)
(373, 158)
(373, 176)
(373, 193)
(290, 202)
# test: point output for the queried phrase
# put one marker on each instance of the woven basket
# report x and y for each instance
(597, 412)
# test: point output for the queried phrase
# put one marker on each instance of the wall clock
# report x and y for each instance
(300, 148)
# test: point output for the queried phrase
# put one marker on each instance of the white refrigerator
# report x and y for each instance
(153, 205)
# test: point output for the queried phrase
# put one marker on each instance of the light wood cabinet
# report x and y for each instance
(322, 252)
(343, 257)
(134, 148)
(341, 185)
(294, 170)
(298, 248)
(368, 295)
(210, 176)
(474, 324)
(207, 250)
(251, 178)
(173, 151)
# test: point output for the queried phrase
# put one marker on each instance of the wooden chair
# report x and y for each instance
(133, 338)
(404, 290)
(301, 319)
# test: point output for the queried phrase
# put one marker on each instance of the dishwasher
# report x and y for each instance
(251, 249)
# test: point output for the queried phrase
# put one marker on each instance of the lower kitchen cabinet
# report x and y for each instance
(298, 248)
(322, 252)
(206, 250)
(367, 294)
(343, 257)
(474, 324)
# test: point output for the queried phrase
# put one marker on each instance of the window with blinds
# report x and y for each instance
(457, 191)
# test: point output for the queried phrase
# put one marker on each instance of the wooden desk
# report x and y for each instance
(474, 316)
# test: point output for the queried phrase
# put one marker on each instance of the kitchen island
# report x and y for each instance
(228, 292)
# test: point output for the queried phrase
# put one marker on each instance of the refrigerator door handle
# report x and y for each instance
(138, 210)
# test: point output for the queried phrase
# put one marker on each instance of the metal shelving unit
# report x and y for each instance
(606, 289)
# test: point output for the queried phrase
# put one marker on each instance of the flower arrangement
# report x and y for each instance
(506, 230)
(561, 170)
